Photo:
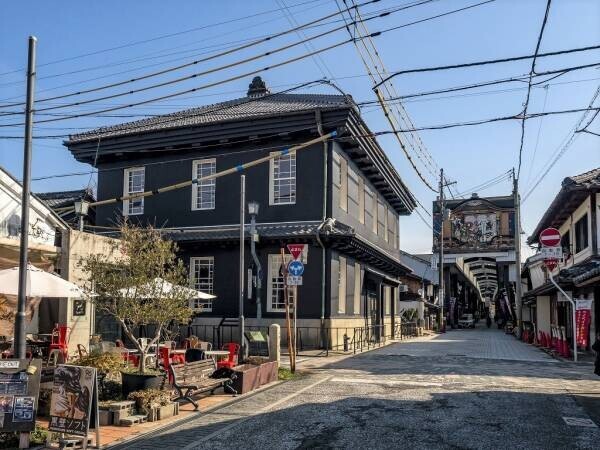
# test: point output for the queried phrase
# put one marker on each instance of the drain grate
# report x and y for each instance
(579, 422)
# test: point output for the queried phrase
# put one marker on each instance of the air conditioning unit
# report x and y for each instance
(403, 288)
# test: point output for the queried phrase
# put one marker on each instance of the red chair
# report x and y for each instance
(60, 340)
(232, 359)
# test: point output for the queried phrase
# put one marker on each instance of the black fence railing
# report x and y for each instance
(308, 339)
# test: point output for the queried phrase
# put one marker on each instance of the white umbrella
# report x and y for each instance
(159, 287)
(39, 284)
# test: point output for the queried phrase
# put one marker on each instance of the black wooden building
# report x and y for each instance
(342, 197)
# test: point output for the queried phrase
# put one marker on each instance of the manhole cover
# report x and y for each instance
(579, 422)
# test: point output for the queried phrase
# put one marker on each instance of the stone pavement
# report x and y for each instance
(464, 389)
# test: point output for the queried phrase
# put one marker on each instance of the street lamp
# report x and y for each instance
(81, 210)
(253, 208)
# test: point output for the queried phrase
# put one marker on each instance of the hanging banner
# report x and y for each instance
(583, 316)
(73, 393)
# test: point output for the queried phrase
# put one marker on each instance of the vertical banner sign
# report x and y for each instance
(73, 393)
(583, 315)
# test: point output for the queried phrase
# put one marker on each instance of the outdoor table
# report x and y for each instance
(216, 354)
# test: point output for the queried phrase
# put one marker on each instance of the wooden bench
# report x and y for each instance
(195, 377)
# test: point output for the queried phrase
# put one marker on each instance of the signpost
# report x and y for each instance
(552, 252)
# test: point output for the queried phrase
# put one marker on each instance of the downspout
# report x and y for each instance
(323, 218)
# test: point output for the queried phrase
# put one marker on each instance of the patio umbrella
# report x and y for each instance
(158, 287)
(39, 284)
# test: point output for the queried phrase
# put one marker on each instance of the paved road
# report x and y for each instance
(461, 390)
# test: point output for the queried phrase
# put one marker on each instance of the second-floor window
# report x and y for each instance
(203, 197)
(392, 227)
(202, 278)
(369, 209)
(353, 193)
(581, 234)
(282, 183)
(565, 243)
(133, 183)
(381, 220)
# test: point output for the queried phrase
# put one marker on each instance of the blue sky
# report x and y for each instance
(469, 155)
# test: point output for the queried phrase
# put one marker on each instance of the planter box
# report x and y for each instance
(164, 412)
(268, 372)
(250, 377)
(105, 417)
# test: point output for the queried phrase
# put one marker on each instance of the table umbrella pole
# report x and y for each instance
(19, 341)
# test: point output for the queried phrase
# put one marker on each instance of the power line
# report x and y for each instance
(531, 72)
(216, 83)
(164, 36)
(490, 61)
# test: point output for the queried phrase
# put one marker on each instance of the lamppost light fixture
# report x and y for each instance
(82, 207)
(253, 208)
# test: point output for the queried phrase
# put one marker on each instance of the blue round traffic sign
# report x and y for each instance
(296, 268)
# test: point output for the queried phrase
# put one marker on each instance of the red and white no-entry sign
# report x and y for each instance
(550, 237)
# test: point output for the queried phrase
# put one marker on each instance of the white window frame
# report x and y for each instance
(342, 285)
(273, 201)
(206, 286)
(209, 185)
(128, 205)
(274, 265)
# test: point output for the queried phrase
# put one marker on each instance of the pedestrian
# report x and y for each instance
(596, 348)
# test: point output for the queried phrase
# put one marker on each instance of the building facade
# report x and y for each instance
(341, 197)
(574, 212)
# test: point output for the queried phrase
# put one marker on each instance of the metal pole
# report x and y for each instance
(441, 251)
(574, 316)
(19, 342)
(253, 236)
(242, 234)
(518, 290)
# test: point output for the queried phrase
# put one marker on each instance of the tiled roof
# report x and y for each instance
(576, 274)
(64, 198)
(572, 192)
(275, 230)
(238, 109)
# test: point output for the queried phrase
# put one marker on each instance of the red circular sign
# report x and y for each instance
(550, 237)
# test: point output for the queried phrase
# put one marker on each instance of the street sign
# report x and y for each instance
(296, 250)
(550, 237)
(551, 263)
(294, 281)
(295, 268)
(552, 252)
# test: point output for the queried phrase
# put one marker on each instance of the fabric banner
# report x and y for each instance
(583, 315)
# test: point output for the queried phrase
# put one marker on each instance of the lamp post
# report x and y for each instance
(81, 210)
(253, 208)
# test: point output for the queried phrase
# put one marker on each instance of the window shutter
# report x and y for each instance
(361, 200)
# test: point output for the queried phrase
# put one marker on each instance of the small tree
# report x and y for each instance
(131, 287)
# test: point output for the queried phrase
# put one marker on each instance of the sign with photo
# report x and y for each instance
(74, 392)
(19, 390)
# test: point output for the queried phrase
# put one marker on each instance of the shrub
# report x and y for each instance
(149, 399)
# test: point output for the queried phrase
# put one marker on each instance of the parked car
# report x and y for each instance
(466, 321)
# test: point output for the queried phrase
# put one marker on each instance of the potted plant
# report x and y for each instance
(153, 402)
(141, 283)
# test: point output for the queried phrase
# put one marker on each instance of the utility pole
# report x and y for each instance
(518, 293)
(19, 343)
(242, 236)
(441, 251)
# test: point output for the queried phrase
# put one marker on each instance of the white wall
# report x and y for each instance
(543, 313)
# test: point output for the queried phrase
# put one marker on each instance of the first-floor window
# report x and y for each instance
(275, 284)
(133, 183)
(202, 278)
(342, 286)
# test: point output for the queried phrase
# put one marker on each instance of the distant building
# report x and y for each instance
(62, 203)
(342, 198)
(574, 212)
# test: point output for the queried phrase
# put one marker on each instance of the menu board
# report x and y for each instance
(19, 390)
(74, 392)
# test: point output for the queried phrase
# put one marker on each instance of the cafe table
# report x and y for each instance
(216, 354)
